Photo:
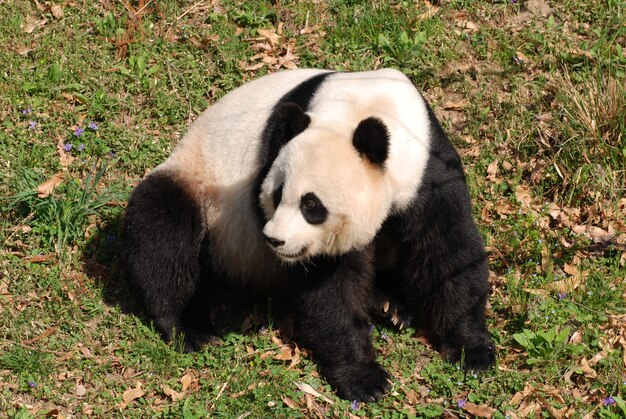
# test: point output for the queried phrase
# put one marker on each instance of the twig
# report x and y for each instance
(195, 6)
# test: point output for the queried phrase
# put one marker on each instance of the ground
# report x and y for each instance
(96, 93)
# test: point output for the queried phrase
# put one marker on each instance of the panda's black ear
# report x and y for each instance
(371, 139)
(287, 121)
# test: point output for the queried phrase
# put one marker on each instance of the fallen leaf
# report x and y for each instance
(270, 35)
(311, 391)
(456, 106)
(576, 338)
(39, 258)
(65, 157)
(172, 394)
(45, 189)
(520, 57)
(31, 23)
(57, 11)
(131, 394)
(481, 410)
(430, 12)
(527, 408)
(186, 382)
(290, 403)
(522, 193)
(80, 390)
(22, 49)
(565, 286)
(521, 395)
(43, 335)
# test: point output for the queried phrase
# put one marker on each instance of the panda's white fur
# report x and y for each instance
(397, 219)
(219, 157)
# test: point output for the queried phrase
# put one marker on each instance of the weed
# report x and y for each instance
(60, 219)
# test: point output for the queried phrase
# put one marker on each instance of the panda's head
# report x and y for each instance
(325, 192)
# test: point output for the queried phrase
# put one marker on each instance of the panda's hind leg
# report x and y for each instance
(162, 238)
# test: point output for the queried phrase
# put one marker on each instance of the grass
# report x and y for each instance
(531, 92)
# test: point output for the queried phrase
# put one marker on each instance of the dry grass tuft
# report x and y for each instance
(593, 123)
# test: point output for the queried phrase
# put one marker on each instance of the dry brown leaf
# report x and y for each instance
(80, 390)
(521, 395)
(430, 12)
(519, 55)
(522, 193)
(57, 11)
(131, 394)
(566, 285)
(186, 381)
(576, 338)
(456, 105)
(466, 25)
(289, 402)
(537, 291)
(253, 67)
(270, 35)
(412, 397)
(172, 394)
(45, 189)
(43, 335)
(39, 258)
(481, 410)
(32, 23)
(65, 157)
(285, 354)
(22, 49)
(539, 7)
(527, 408)
(311, 391)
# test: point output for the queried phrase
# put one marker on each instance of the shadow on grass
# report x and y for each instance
(222, 306)
(100, 262)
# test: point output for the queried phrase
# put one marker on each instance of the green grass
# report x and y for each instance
(534, 102)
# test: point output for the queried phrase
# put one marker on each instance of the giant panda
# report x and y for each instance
(338, 195)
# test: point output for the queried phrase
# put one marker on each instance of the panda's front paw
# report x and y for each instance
(194, 340)
(476, 357)
(365, 384)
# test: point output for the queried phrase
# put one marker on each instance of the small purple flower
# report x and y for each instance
(518, 60)
(461, 403)
(110, 238)
(608, 401)
(93, 126)
(67, 147)
(32, 124)
(355, 405)
(27, 111)
(371, 328)
(383, 335)
(78, 131)
(513, 1)
(80, 147)
(112, 154)
(562, 295)
(32, 384)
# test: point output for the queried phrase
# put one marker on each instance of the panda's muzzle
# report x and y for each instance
(274, 242)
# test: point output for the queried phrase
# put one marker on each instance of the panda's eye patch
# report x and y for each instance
(277, 195)
(313, 211)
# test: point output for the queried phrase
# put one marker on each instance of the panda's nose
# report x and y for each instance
(274, 242)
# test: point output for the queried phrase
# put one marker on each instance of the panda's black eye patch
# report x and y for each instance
(277, 195)
(313, 211)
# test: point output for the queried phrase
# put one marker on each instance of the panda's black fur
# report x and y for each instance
(427, 258)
